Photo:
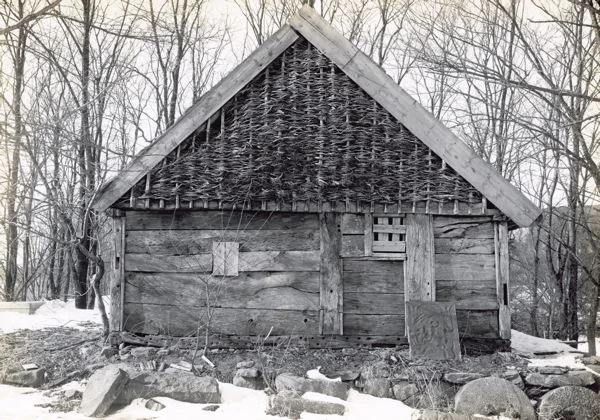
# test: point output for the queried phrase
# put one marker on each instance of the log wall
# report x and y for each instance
(169, 283)
(298, 274)
(465, 272)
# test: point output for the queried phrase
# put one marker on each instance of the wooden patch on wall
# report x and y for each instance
(432, 330)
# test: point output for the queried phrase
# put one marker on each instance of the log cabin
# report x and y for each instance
(307, 195)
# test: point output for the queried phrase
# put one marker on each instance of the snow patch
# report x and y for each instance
(53, 313)
(524, 343)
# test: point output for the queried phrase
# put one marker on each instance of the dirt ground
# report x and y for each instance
(71, 354)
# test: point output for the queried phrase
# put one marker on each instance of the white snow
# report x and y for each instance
(524, 343)
(53, 313)
(236, 403)
(316, 374)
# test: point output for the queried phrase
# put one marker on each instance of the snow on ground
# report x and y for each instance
(565, 356)
(524, 343)
(236, 403)
(53, 313)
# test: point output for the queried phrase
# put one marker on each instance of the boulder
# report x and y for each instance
(285, 406)
(248, 373)
(551, 370)
(493, 396)
(249, 378)
(187, 388)
(378, 370)
(405, 391)
(154, 405)
(286, 381)
(143, 352)
(245, 364)
(461, 378)
(570, 402)
(378, 387)
(102, 390)
(32, 378)
(575, 378)
(109, 351)
(514, 377)
(438, 415)
(591, 360)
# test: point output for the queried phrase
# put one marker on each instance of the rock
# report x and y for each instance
(102, 390)
(493, 396)
(514, 377)
(248, 373)
(32, 378)
(404, 391)
(163, 352)
(109, 352)
(245, 364)
(248, 382)
(178, 386)
(154, 405)
(591, 360)
(378, 387)
(292, 407)
(286, 381)
(570, 402)
(72, 394)
(378, 370)
(438, 415)
(461, 378)
(124, 357)
(551, 370)
(143, 352)
(344, 375)
(349, 351)
(577, 378)
(212, 407)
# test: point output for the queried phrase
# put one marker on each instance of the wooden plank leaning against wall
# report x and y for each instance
(117, 275)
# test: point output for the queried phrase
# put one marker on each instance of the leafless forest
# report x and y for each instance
(86, 84)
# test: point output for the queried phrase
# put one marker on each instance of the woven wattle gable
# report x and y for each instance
(302, 131)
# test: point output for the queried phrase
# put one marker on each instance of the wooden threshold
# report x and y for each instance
(251, 342)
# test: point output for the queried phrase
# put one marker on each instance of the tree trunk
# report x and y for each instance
(12, 234)
(592, 322)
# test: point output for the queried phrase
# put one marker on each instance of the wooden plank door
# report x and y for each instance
(420, 258)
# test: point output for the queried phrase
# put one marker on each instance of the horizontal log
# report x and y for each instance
(373, 303)
(353, 224)
(463, 227)
(478, 323)
(389, 246)
(251, 341)
(353, 245)
(464, 246)
(220, 220)
(397, 229)
(479, 267)
(257, 290)
(373, 282)
(361, 324)
(181, 321)
(248, 261)
(468, 294)
(186, 242)
(372, 266)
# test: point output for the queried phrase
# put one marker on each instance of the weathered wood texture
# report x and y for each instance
(182, 321)
(432, 330)
(502, 278)
(465, 264)
(421, 270)
(117, 274)
(473, 323)
(182, 242)
(220, 220)
(373, 297)
(251, 341)
(169, 270)
(331, 286)
(266, 290)
(225, 258)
